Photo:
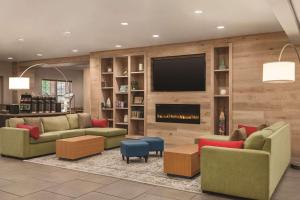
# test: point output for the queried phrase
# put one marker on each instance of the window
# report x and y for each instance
(56, 88)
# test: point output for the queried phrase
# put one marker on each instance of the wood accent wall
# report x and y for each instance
(86, 91)
(254, 102)
(176, 133)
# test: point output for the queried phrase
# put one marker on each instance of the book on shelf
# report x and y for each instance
(137, 114)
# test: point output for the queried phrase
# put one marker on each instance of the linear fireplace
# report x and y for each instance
(178, 113)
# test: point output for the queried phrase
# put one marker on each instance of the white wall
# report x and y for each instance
(6, 72)
(76, 76)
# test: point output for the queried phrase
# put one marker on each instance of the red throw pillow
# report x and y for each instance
(216, 143)
(249, 129)
(100, 123)
(33, 130)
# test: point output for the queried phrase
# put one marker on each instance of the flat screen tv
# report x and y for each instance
(180, 73)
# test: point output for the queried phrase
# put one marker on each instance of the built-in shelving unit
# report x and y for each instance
(107, 89)
(221, 78)
(137, 95)
(123, 81)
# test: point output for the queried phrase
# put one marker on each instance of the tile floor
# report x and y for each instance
(26, 181)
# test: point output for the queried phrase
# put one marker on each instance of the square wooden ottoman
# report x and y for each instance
(79, 147)
(182, 160)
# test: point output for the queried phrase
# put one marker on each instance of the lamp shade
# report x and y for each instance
(19, 83)
(279, 72)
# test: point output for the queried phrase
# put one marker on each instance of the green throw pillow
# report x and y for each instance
(73, 121)
(84, 120)
(257, 140)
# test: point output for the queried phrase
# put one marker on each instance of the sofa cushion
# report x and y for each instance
(106, 132)
(84, 120)
(257, 140)
(46, 137)
(73, 121)
(276, 126)
(71, 133)
(238, 135)
(216, 143)
(35, 121)
(13, 122)
(58, 123)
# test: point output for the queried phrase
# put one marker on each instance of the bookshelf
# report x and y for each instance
(137, 95)
(221, 78)
(106, 110)
(123, 81)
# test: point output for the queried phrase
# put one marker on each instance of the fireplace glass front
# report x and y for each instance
(178, 113)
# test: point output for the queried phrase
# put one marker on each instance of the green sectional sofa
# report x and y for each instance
(252, 172)
(16, 142)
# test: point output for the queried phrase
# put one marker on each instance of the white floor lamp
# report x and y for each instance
(281, 72)
(23, 83)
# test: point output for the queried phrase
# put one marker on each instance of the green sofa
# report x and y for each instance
(16, 142)
(249, 173)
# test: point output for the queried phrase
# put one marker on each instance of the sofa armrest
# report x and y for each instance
(237, 172)
(14, 142)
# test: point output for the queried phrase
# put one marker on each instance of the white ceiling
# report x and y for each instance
(95, 24)
(296, 6)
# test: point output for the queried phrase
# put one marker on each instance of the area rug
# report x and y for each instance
(110, 163)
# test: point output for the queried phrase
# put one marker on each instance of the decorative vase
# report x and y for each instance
(125, 118)
(222, 125)
(108, 103)
(141, 67)
(223, 91)
(134, 85)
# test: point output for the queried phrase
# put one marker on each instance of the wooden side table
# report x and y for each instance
(79, 147)
(182, 160)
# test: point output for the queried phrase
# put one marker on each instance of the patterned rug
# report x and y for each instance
(110, 163)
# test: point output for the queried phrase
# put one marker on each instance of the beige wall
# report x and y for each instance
(75, 75)
(6, 72)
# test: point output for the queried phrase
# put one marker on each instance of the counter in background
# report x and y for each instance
(4, 117)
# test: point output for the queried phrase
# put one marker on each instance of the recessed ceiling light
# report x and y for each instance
(198, 11)
(10, 58)
(155, 36)
(124, 23)
(67, 33)
(220, 27)
(75, 50)
(39, 54)
(118, 46)
(21, 39)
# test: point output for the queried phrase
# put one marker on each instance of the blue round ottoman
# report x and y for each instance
(134, 148)
(155, 144)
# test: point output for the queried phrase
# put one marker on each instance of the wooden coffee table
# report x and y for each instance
(182, 160)
(79, 147)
